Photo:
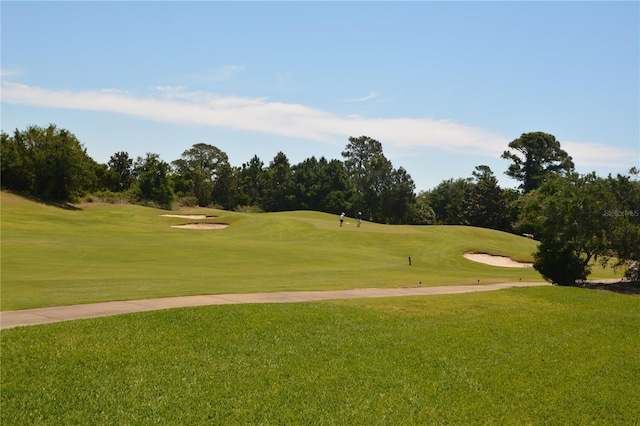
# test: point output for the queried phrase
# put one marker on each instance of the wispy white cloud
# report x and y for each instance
(216, 76)
(169, 89)
(115, 91)
(372, 94)
(174, 104)
(8, 73)
(284, 78)
(226, 72)
(588, 154)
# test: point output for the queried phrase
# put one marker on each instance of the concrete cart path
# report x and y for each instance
(9, 319)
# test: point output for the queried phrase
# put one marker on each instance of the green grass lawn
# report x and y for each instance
(52, 256)
(546, 355)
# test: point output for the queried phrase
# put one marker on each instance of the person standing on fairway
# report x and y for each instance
(341, 218)
(359, 219)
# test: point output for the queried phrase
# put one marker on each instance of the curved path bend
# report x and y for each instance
(9, 319)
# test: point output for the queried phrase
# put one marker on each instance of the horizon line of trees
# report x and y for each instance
(578, 219)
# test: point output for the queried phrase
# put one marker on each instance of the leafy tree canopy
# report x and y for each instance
(154, 184)
(47, 162)
(535, 156)
(580, 219)
(120, 172)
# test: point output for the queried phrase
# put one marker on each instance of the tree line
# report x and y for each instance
(51, 164)
(577, 219)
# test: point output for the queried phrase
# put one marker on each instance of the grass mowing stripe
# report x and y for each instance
(520, 356)
(99, 253)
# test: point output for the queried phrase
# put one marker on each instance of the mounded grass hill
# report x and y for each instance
(91, 253)
(542, 355)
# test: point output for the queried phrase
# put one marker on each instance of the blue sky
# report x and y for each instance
(444, 86)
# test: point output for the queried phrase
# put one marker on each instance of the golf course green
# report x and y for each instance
(538, 355)
(101, 252)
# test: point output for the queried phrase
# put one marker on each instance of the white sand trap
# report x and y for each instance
(492, 260)
(188, 216)
(201, 226)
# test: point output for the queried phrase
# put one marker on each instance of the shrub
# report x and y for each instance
(559, 263)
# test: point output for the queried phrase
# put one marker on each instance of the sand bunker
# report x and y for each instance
(201, 226)
(196, 225)
(188, 216)
(489, 259)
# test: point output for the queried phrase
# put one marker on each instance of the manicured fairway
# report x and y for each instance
(545, 355)
(52, 256)
(548, 355)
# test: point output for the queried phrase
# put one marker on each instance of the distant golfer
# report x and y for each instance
(359, 219)
(341, 218)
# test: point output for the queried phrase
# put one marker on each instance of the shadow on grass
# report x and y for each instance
(622, 287)
(61, 205)
(53, 203)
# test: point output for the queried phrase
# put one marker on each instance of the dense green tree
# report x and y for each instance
(512, 198)
(309, 183)
(382, 193)
(398, 197)
(120, 172)
(448, 201)
(560, 262)
(367, 168)
(101, 177)
(420, 212)
(485, 203)
(570, 220)
(535, 156)
(279, 185)
(321, 185)
(337, 201)
(251, 182)
(337, 189)
(198, 169)
(376, 185)
(16, 168)
(625, 216)
(153, 180)
(358, 153)
(225, 190)
(48, 162)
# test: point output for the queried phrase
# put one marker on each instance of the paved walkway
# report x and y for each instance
(9, 319)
